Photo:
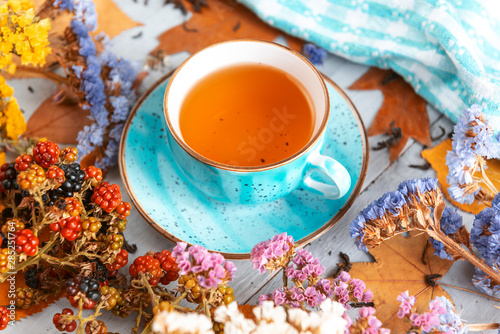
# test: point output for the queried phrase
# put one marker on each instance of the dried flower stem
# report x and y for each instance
(43, 74)
(482, 327)
(486, 179)
(468, 290)
(464, 254)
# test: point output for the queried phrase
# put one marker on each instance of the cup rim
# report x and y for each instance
(311, 143)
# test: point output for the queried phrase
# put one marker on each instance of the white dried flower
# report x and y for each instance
(182, 323)
(327, 321)
(234, 321)
(268, 313)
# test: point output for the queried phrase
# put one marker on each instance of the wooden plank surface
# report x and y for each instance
(249, 284)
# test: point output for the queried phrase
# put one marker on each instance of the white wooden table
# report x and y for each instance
(249, 284)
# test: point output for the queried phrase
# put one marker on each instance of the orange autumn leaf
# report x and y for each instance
(436, 156)
(399, 267)
(6, 297)
(111, 20)
(59, 122)
(247, 311)
(222, 20)
(401, 105)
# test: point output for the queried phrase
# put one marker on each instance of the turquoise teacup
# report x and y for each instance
(257, 184)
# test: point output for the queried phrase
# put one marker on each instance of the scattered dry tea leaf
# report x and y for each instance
(59, 122)
(402, 108)
(399, 267)
(216, 23)
(111, 20)
(23, 313)
(436, 156)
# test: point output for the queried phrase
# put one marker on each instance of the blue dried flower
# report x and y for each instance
(472, 138)
(450, 222)
(450, 322)
(315, 54)
(65, 4)
(485, 235)
(417, 185)
(483, 283)
(357, 232)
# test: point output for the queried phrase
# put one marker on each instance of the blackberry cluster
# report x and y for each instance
(31, 278)
(74, 179)
(8, 175)
(87, 286)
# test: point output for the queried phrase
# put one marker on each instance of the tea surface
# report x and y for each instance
(247, 115)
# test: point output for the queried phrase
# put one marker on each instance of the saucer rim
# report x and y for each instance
(244, 256)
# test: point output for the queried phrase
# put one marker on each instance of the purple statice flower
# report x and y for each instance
(65, 4)
(450, 222)
(325, 287)
(273, 253)
(473, 139)
(304, 267)
(315, 54)
(208, 268)
(484, 284)
(450, 321)
(485, 235)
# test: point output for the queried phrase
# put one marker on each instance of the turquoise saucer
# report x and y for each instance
(181, 213)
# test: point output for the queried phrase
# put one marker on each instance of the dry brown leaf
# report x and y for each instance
(111, 20)
(399, 267)
(247, 311)
(222, 20)
(59, 122)
(401, 105)
(23, 313)
(436, 156)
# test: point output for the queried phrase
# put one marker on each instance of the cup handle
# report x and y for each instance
(333, 170)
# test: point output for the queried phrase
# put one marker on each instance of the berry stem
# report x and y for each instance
(34, 260)
(145, 282)
(148, 328)
(137, 320)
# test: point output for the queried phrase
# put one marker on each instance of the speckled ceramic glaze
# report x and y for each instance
(182, 213)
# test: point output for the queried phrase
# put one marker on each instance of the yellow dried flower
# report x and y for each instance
(12, 123)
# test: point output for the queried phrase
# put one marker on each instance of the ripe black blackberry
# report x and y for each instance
(86, 285)
(50, 198)
(101, 272)
(74, 179)
(31, 278)
(8, 177)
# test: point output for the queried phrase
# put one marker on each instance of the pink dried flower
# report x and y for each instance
(346, 289)
(304, 267)
(209, 268)
(426, 321)
(325, 287)
(407, 303)
(272, 254)
(367, 323)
